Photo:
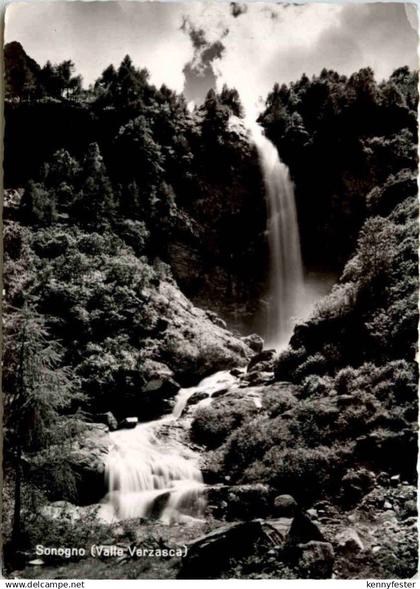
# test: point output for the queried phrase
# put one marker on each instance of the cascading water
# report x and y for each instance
(149, 476)
(286, 271)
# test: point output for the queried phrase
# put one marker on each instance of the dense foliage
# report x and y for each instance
(341, 136)
(128, 150)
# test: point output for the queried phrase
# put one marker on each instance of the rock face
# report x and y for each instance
(192, 345)
(88, 460)
(271, 545)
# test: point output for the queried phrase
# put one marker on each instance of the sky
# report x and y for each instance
(195, 45)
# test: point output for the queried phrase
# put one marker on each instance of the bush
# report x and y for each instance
(287, 362)
(212, 425)
(275, 403)
(304, 473)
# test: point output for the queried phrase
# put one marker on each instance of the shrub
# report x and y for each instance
(304, 473)
(275, 403)
(212, 425)
(287, 362)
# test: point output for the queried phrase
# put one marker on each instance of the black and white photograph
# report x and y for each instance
(210, 290)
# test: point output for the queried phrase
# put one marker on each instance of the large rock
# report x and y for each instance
(64, 510)
(243, 502)
(264, 361)
(285, 506)
(88, 459)
(107, 419)
(214, 318)
(157, 395)
(192, 345)
(355, 484)
(349, 541)
(315, 560)
(213, 553)
(255, 342)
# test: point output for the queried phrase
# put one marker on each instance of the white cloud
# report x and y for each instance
(267, 43)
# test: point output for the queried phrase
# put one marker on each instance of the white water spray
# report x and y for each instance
(286, 271)
(153, 477)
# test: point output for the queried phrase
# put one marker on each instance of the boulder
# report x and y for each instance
(107, 419)
(264, 361)
(157, 397)
(196, 397)
(192, 345)
(219, 393)
(408, 509)
(88, 459)
(355, 484)
(64, 510)
(315, 560)
(215, 552)
(285, 506)
(243, 502)
(303, 530)
(128, 423)
(254, 341)
(348, 540)
(257, 377)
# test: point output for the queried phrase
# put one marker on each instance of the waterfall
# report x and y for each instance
(286, 271)
(151, 475)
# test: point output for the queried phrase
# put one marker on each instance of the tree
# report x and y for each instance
(38, 204)
(50, 80)
(230, 98)
(38, 391)
(95, 202)
(139, 156)
(122, 87)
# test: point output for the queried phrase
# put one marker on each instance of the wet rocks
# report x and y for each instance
(128, 423)
(107, 419)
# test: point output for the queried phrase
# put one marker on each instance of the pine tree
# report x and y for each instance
(95, 203)
(38, 390)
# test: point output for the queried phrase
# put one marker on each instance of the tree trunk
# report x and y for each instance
(16, 531)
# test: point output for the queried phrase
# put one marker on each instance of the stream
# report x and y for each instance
(153, 476)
